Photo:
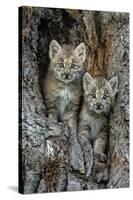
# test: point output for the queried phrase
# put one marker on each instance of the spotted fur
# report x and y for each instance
(62, 86)
(99, 97)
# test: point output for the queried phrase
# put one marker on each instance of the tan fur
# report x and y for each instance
(62, 87)
(99, 97)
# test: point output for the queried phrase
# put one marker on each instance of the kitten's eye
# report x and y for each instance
(61, 65)
(104, 96)
(93, 96)
(74, 66)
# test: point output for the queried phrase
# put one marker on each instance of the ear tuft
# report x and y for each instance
(54, 48)
(87, 80)
(114, 84)
(80, 52)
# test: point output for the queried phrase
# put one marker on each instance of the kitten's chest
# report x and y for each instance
(65, 96)
(96, 125)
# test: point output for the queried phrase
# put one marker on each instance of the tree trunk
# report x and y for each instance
(50, 154)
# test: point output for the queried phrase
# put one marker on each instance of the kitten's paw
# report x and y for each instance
(82, 170)
(83, 140)
(100, 172)
(100, 157)
(52, 118)
(102, 176)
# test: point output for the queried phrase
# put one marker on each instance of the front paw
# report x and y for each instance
(100, 157)
(102, 175)
(100, 170)
(53, 118)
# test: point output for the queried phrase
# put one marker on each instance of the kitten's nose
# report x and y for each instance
(99, 105)
(67, 74)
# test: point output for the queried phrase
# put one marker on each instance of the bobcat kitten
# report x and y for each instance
(62, 86)
(99, 96)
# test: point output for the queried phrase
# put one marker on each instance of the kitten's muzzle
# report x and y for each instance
(66, 78)
(99, 106)
(67, 75)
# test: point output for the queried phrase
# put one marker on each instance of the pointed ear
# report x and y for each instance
(54, 48)
(80, 52)
(87, 80)
(114, 84)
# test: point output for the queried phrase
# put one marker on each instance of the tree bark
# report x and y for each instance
(50, 154)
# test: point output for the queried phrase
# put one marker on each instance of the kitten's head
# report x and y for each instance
(66, 62)
(99, 93)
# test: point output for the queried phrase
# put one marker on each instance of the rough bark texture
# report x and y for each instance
(48, 151)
